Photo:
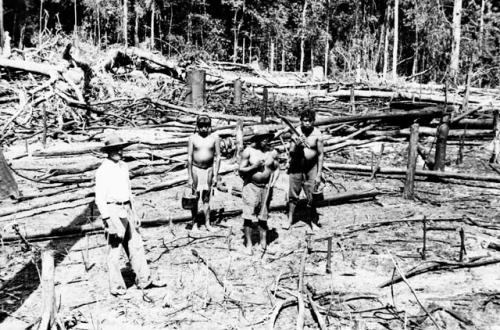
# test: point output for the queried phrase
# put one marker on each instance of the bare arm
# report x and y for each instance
(276, 163)
(190, 161)
(245, 168)
(217, 158)
(321, 156)
(293, 147)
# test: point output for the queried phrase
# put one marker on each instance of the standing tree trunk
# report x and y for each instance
(302, 36)
(235, 36)
(271, 64)
(327, 37)
(243, 47)
(75, 28)
(386, 44)
(415, 55)
(412, 162)
(283, 63)
(481, 24)
(358, 59)
(48, 292)
(396, 40)
(152, 27)
(312, 55)
(481, 36)
(170, 31)
(496, 139)
(1, 25)
(250, 59)
(441, 140)
(189, 28)
(98, 27)
(124, 23)
(136, 26)
(455, 45)
(40, 24)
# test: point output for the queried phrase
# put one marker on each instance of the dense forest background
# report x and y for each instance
(417, 37)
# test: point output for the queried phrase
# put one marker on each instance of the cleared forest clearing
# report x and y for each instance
(427, 262)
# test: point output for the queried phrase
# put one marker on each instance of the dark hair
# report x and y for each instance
(203, 120)
(308, 114)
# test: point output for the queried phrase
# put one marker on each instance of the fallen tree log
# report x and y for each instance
(211, 114)
(400, 171)
(350, 143)
(440, 265)
(61, 232)
(169, 67)
(474, 124)
(432, 112)
(49, 208)
(430, 131)
(33, 67)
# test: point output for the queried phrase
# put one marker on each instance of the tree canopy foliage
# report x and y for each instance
(351, 34)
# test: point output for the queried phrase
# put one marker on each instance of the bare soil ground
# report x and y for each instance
(467, 298)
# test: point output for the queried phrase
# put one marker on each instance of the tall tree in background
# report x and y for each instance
(455, 45)
(345, 34)
(125, 22)
(302, 36)
(386, 42)
(152, 26)
(1, 25)
(396, 40)
(327, 36)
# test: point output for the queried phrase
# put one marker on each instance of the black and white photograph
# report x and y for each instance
(249, 164)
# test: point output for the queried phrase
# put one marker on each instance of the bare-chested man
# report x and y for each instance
(306, 165)
(203, 165)
(258, 164)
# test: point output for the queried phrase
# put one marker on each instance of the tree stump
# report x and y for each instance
(265, 97)
(237, 92)
(48, 292)
(442, 137)
(496, 140)
(412, 163)
(196, 82)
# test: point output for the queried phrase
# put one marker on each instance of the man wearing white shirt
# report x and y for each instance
(113, 195)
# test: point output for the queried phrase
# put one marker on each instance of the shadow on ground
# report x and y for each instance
(27, 280)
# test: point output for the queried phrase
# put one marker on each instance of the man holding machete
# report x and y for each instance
(306, 165)
(258, 167)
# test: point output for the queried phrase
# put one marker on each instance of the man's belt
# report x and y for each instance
(120, 203)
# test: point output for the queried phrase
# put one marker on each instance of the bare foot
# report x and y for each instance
(248, 250)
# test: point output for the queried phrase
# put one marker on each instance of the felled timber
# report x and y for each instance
(400, 171)
(199, 112)
(429, 131)
(441, 265)
(39, 68)
(60, 232)
(432, 112)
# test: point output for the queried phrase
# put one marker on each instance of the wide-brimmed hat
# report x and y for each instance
(262, 133)
(115, 142)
